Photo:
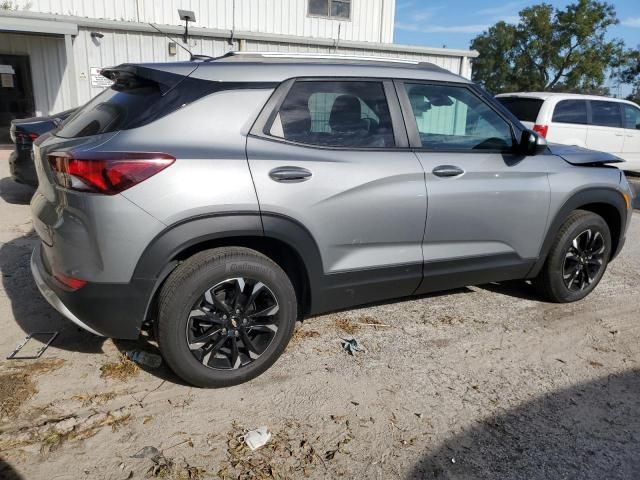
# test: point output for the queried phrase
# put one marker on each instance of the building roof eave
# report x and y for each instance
(56, 23)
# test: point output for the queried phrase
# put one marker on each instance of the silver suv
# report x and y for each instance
(220, 201)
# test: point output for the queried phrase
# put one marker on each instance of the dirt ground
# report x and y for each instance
(478, 383)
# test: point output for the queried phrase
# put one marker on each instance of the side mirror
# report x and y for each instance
(531, 143)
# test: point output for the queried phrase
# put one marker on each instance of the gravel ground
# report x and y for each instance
(480, 382)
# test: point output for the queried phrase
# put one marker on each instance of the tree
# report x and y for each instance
(629, 72)
(9, 5)
(549, 49)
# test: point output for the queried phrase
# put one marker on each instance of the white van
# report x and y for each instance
(598, 123)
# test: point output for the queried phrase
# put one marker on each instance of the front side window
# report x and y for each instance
(570, 111)
(605, 114)
(450, 117)
(631, 117)
(335, 114)
(340, 9)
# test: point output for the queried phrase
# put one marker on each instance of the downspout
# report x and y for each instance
(233, 26)
(382, 12)
(70, 70)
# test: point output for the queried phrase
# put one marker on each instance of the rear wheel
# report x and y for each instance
(577, 260)
(225, 316)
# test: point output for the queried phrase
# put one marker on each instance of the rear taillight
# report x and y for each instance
(107, 173)
(541, 129)
(71, 283)
(23, 138)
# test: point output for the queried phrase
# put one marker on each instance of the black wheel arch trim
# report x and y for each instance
(159, 258)
(582, 198)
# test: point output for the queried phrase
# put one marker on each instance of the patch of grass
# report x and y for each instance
(369, 321)
(450, 319)
(51, 442)
(94, 399)
(17, 385)
(164, 467)
(122, 370)
(301, 334)
(346, 325)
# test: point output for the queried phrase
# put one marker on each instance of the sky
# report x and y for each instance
(435, 23)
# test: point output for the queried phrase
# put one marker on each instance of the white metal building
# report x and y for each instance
(51, 50)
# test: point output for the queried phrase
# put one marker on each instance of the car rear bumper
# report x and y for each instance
(49, 295)
(22, 169)
(109, 310)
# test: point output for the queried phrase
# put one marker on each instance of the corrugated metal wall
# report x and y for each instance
(47, 60)
(371, 20)
(120, 47)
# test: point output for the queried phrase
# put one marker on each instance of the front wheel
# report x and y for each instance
(225, 316)
(577, 259)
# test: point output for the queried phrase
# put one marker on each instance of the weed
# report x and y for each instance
(122, 370)
(346, 325)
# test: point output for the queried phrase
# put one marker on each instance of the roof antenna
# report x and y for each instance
(192, 56)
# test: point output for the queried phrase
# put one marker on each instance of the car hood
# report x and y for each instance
(582, 156)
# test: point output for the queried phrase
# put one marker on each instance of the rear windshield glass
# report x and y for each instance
(113, 110)
(525, 109)
(136, 103)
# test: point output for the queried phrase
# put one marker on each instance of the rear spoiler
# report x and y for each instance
(165, 76)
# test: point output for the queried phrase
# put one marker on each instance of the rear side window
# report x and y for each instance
(525, 109)
(132, 104)
(605, 114)
(631, 117)
(335, 114)
(570, 111)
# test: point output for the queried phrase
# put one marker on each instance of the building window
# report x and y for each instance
(340, 9)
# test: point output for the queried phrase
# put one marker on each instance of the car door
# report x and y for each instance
(332, 155)
(569, 123)
(631, 148)
(487, 206)
(605, 131)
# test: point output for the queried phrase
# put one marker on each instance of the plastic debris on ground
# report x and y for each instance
(147, 452)
(145, 359)
(351, 346)
(257, 438)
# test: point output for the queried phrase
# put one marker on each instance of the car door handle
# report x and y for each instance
(447, 171)
(619, 135)
(290, 174)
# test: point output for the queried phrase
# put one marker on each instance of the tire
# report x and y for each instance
(571, 272)
(197, 301)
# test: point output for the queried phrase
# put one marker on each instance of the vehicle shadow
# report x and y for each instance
(7, 472)
(30, 310)
(15, 193)
(587, 431)
(147, 344)
(32, 313)
(634, 181)
(513, 288)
